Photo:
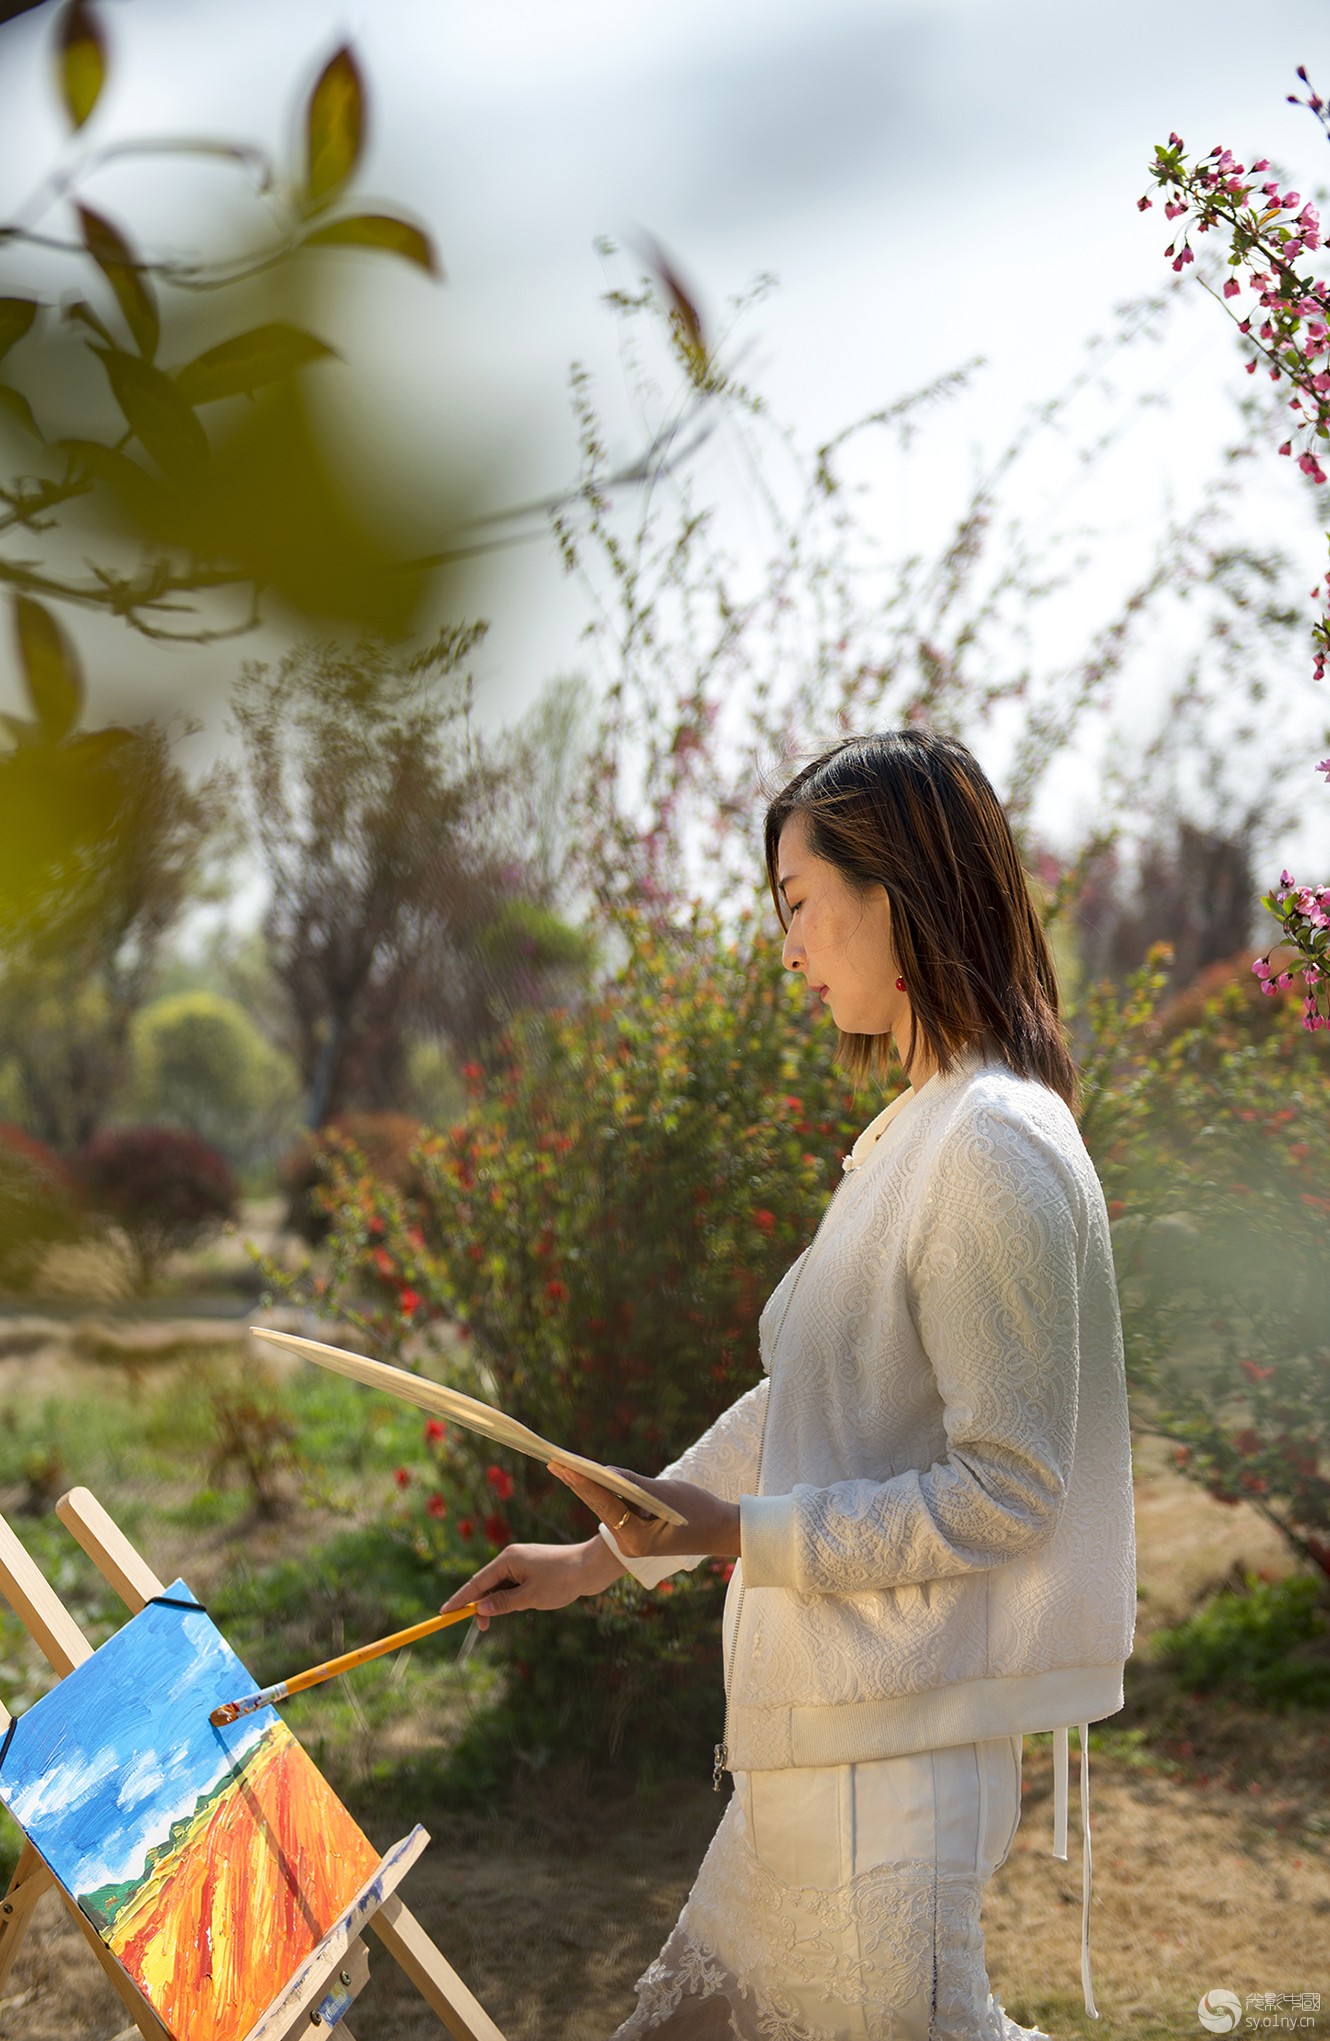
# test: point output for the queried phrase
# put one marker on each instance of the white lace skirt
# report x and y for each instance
(841, 1903)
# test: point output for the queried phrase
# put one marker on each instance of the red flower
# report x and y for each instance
(383, 1261)
(466, 1527)
(501, 1481)
(664, 1587)
(434, 1431)
(1247, 1441)
(436, 1506)
(556, 1290)
(766, 1220)
(1255, 1372)
(496, 1530)
(1116, 1208)
(1253, 1482)
(409, 1301)
(402, 1477)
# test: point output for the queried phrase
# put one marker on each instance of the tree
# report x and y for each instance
(392, 913)
(200, 1063)
(1194, 888)
(79, 950)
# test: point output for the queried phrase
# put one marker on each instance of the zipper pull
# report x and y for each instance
(719, 1767)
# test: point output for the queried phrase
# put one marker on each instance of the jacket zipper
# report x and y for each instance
(721, 1757)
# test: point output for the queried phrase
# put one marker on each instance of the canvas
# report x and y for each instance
(211, 1861)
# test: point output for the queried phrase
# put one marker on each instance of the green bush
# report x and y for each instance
(1206, 1120)
(1269, 1643)
(603, 1229)
(200, 1063)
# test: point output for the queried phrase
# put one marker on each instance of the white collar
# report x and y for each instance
(968, 1060)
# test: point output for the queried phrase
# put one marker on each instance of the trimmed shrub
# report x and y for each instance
(200, 1063)
(160, 1187)
(384, 1144)
(39, 1205)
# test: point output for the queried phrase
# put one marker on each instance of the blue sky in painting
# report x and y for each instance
(120, 1748)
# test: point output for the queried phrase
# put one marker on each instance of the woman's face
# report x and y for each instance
(840, 939)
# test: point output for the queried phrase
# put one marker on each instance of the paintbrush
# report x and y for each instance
(230, 1711)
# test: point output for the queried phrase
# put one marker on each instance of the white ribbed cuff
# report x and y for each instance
(651, 1572)
(766, 1540)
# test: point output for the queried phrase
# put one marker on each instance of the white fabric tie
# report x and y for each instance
(1060, 1769)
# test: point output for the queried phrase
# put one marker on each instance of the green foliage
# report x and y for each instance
(604, 1227)
(1206, 1121)
(199, 1062)
(1269, 1643)
(255, 1438)
(210, 506)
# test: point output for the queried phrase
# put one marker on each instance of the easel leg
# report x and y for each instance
(432, 1974)
(31, 1878)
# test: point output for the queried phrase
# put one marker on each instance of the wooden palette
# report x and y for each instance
(468, 1412)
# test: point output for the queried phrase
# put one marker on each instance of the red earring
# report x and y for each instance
(900, 985)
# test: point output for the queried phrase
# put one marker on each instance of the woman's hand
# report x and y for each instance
(536, 1577)
(712, 1526)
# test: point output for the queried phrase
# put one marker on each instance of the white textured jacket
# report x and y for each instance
(934, 1476)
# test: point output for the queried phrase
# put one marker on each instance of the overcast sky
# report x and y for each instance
(927, 182)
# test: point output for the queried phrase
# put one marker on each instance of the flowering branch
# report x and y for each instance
(1305, 914)
(1268, 235)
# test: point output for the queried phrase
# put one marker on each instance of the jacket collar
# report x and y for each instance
(964, 1065)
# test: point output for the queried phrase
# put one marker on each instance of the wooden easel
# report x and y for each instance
(331, 1978)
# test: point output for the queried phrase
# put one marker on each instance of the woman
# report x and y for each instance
(929, 1492)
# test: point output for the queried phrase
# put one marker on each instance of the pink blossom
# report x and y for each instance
(1143, 205)
(1292, 198)
(1324, 767)
(1185, 257)
(1232, 287)
(1262, 163)
(1287, 448)
(1175, 208)
(1261, 967)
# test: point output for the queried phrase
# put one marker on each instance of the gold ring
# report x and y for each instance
(622, 1521)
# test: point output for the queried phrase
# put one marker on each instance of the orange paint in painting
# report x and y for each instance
(228, 1918)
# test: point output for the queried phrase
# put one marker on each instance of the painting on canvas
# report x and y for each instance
(211, 1861)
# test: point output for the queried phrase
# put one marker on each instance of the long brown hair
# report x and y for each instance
(913, 810)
